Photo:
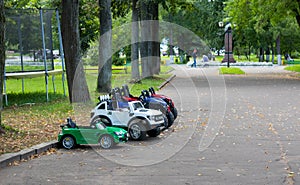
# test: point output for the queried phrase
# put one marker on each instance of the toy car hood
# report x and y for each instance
(116, 129)
(150, 111)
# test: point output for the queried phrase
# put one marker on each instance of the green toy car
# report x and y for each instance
(107, 137)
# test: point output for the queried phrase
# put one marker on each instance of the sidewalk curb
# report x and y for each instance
(9, 158)
(167, 81)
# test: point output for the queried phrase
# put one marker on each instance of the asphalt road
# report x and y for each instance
(230, 130)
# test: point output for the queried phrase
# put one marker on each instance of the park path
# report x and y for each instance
(230, 130)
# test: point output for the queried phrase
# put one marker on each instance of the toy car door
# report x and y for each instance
(120, 117)
(90, 135)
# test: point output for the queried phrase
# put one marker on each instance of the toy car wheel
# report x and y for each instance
(68, 142)
(106, 141)
(137, 131)
(170, 117)
(154, 132)
(175, 112)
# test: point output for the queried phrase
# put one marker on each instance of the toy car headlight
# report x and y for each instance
(120, 133)
(159, 118)
(156, 118)
(151, 117)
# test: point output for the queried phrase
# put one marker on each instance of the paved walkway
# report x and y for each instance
(264, 69)
(231, 130)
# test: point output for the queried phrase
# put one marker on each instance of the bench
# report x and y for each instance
(119, 69)
(113, 69)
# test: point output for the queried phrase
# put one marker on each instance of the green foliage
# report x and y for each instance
(117, 60)
(91, 57)
(231, 70)
(120, 8)
(88, 17)
(88, 22)
(258, 23)
(200, 17)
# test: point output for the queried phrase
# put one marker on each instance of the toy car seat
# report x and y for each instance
(71, 123)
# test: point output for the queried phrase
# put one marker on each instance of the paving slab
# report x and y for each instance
(231, 129)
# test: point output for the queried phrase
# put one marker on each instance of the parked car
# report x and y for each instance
(167, 99)
(149, 102)
(49, 54)
(72, 135)
(131, 116)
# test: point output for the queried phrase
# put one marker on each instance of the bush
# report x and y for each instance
(92, 55)
(117, 61)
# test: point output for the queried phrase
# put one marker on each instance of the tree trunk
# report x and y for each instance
(278, 50)
(77, 86)
(145, 37)
(249, 51)
(261, 51)
(135, 71)
(272, 48)
(156, 42)
(297, 13)
(150, 46)
(2, 58)
(105, 47)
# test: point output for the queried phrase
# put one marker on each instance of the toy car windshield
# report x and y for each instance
(137, 105)
(100, 125)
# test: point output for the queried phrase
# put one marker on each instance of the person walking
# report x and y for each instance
(194, 55)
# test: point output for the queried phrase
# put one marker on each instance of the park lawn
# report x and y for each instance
(295, 68)
(231, 70)
(30, 120)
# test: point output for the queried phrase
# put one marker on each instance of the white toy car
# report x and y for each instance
(132, 117)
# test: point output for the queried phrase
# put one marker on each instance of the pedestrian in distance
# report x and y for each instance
(194, 55)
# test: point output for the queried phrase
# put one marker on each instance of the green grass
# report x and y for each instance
(29, 119)
(231, 70)
(35, 88)
(295, 68)
(120, 78)
(34, 84)
(26, 68)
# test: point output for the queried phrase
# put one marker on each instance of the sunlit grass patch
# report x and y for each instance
(295, 68)
(231, 70)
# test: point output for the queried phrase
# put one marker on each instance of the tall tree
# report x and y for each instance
(105, 47)
(145, 49)
(77, 86)
(150, 45)
(2, 57)
(267, 20)
(135, 72)
(155, 44)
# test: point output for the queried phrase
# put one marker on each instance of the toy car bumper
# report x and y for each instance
(123, 140)
(153, 126)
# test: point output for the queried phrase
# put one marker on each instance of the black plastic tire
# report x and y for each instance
(170, 117)
(137, 131)
(175, 112)
(154, 132)
(68, 142)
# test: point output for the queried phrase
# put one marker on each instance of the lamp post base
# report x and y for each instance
(231, 59)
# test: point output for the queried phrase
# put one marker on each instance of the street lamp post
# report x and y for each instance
(228, 57)
(227, 32)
